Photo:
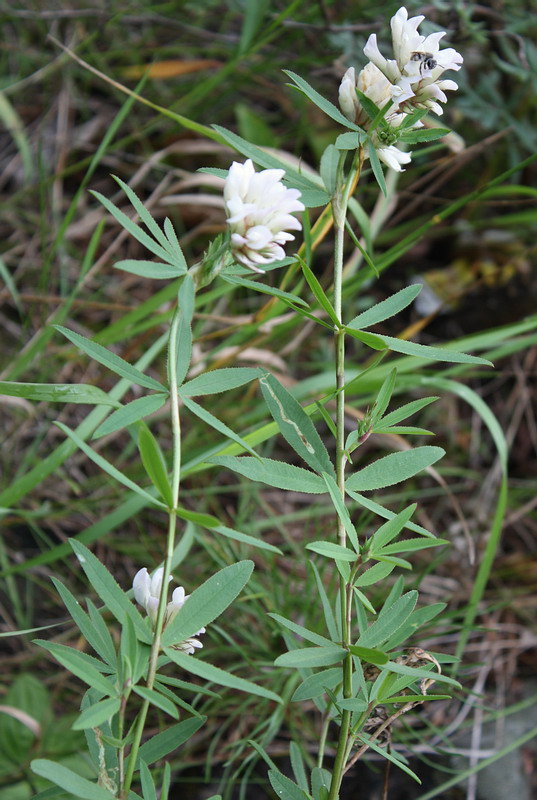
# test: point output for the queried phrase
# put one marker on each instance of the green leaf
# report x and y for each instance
(383, 397)
(154, 463)
(110, 360)
(329, 168)
(318, 292)
(298, 766)
(374, 574)
(434, 353)
(149, 790)
(369, 655)
(255, 286)
(316, 684)
(321, 102)
(415, 698)
(385, 513)
(97, 713)
(377, 169)
(370, 339)
(389, 621)
(246, 539)
(386, 308)
(58, 393)
(390, 529)
(268, 161)
(157, 699)
(411, 546)
(175, 253)
(295, 425)
(217, 424)
(220, 380)
(208, 601)
(108, 590)
(352, 704)
(301, 631)
(394, 468)
(85, 624)
(420, 673)
(135, 231)
(206, 520)
(423, 135)
(108, 467)
(182, 344)
(365, 739)
(131, 413)
(69, 780)
(102, 629)
(332, 550)
(403, 430)
(348, 141)
(341, 510)
(273, 473)
(149, 269)
(164, 743)
(312, 657)
(286, 788)
(326, 606)
(320, 783)
(210, 673)
(79, 664)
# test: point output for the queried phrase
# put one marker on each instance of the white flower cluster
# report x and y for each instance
(147, 593)
(412, 80)
(259, 211)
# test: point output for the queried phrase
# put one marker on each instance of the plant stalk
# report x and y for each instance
(339, 205)
(170, 545)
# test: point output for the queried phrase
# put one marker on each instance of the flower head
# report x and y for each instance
(418, 65)
(259, 212)
(147, 591)
(411, 80)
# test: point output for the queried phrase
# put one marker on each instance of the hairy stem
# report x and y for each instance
(170, 544)
(339, 205)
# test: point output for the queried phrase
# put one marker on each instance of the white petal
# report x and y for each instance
(393, 157)
(141, 586)
(348, 100)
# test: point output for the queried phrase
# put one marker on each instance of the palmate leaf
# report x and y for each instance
(386, 308)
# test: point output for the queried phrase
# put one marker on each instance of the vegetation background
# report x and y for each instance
(66, 127)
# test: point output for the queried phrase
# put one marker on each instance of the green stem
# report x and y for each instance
(339, 205)
(170, 545)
